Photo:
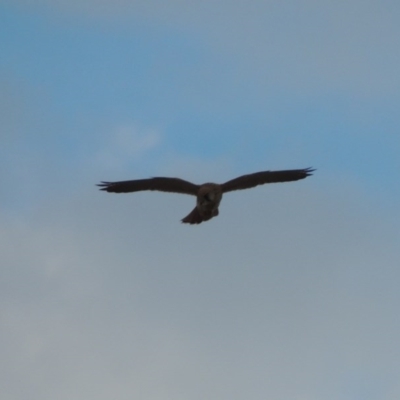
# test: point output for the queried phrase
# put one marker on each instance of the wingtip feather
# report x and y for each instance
(104, 185)
(309, 171)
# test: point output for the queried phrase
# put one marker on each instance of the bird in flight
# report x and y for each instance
(208, 195)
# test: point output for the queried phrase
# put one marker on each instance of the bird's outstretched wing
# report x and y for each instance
(174, 185)
(260, 178)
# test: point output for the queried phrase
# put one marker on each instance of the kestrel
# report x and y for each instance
(208, 195)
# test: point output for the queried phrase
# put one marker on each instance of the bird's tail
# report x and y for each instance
(193, 217)
(196, 218)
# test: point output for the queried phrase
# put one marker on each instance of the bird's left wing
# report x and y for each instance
(260, 178)
(174, 185)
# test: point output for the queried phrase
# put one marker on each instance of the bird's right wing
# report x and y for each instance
(174, 185)
(260, 178)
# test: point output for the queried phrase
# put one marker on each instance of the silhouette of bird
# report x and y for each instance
(208, 195)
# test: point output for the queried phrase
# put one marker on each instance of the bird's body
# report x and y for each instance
(208, 195)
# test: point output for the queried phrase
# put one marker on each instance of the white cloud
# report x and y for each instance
(125, 144)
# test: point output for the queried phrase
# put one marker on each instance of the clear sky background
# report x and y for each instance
(292, 292)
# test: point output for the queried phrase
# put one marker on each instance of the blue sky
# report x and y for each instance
(85, 76)
(291, 292)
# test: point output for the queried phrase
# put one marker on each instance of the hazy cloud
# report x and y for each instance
(286, 294)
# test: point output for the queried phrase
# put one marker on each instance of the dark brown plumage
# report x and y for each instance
(208, 195)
